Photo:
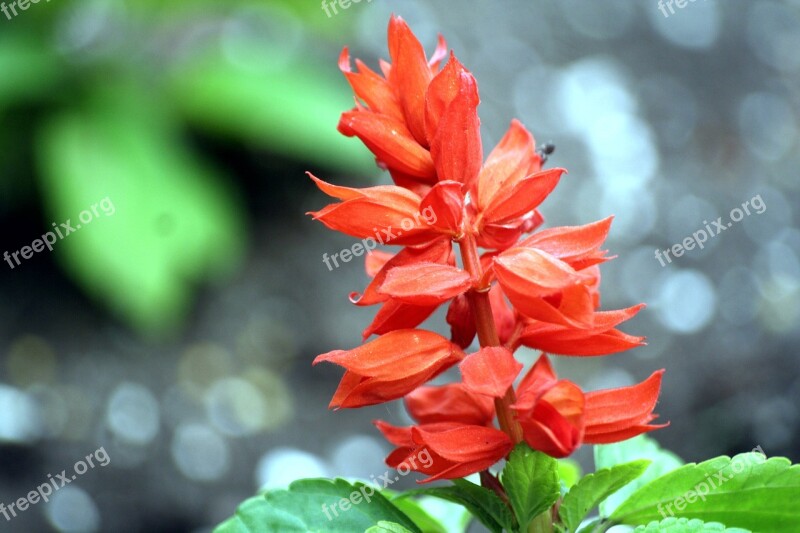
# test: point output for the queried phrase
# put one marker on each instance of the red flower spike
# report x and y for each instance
(450, 403)
(618, 414)
(391, 142)
(536, 382)
(511, 160)
(443, 207)
(425, 283)
(390, 367)
(456, 145)
(410, 75)
(490, 371)
(461, 320)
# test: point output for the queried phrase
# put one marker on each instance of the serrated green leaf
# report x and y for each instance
(530, 479)
(387, 527)
(641, 447)
(484, 504)
(747, 491)
(318, 505)
(594, 488)
(684, 525)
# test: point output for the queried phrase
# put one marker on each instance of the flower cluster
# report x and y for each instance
(515, 287)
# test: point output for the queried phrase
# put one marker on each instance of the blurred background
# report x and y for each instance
(176, 326)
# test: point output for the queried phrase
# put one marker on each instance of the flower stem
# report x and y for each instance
(487, 331)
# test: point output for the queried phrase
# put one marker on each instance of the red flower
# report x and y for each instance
(556, 416)
(422, 125)
(455, 450)
(390, 366)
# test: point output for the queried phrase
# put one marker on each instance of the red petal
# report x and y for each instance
(556, 427)
(533, 273)
(490, 371)
(622, 411)
(410, 74)
(571, 243)
(443, 206)
(504, 318)
(394, 315)
(466, 444)
(375, 261)
(425, 283)
(438, 251)
(462, 323)
(371, 88)
(540, 378)
(511, 160)
(438, 54)
(521, 198)
(449, 403)
(396, 355)
(456, 146)
(390, 140)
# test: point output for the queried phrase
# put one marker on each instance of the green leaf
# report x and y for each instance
(174, 225)
(387, 527)
(569, 472)
(684, 525)
(319, 505)
(641, 447)
(484, 504)
(434, 515)
(748, 491)
(278, 101)
(530, 479)
(595, 488)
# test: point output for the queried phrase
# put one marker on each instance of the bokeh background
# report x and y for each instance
(178, 331)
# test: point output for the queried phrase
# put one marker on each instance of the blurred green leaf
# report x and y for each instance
(174, 223)
(683, 525)
(276, 99)
(530, 479)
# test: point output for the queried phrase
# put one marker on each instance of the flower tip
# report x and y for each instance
(354, 297)
(344, 60)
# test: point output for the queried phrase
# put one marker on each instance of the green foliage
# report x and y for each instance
(434, 515)
(174, 224)
(569, 472)
(641, 447)
(747, 491)
(303, 506)
(684, 525)
(594, 488)
(484, 504)
(530, 479)
(387, 527)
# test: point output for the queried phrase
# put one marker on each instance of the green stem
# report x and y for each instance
(542, 523)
